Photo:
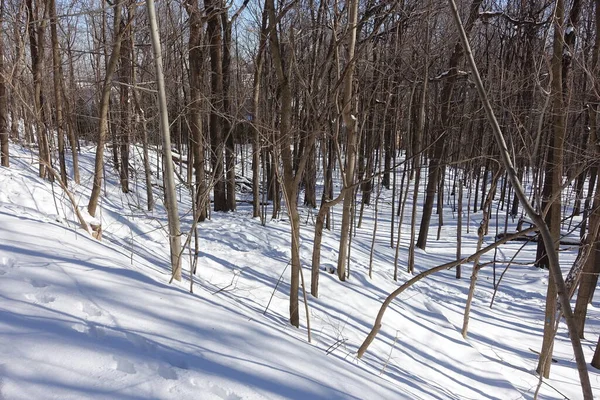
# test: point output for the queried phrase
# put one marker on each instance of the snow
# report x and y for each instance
(446, 73)
(81, 318)
(570, 29)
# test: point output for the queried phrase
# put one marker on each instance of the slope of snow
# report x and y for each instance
(86, 319)
(77, 320)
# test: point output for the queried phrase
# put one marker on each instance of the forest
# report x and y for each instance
(380, 143)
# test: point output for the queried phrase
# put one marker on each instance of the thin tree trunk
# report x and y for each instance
(4, 151)
(459, 225)
(227, 128)
(36, 45)
(125, 100)
(476, 267)
(446, 100)
(71, 117)
(291, 180)
(195, 56)
(58, 100)
(351, 138)
(169, 178)
(103, 115)
(256, 144)
(552, 186)
(596, 358)
(216, 114)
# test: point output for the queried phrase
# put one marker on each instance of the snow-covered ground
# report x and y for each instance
(86, 319)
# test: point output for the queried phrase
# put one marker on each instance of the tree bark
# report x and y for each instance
(169, 177)
(553, 186)
(213, 8)
(227, 126)
(4, 151)
(446, 108)
(351, 140)
(36, 30)
(125, 130)
(103, 114)
(195, 110)
(256, 142)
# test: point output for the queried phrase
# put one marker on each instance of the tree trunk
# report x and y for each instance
(125, 104)
(36, 30)
(596, 358)
(213, 8)
(256, 142)
(71, 117)
(4, 152)
(227, 127)
(552, 187)
(285, 140)
(351, 138)
(58, 100)
(459, 225)
(169, 178)
(103, 115)
(446, 108)
(195, 109)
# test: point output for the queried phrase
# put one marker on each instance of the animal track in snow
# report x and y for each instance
(6, 263)
(91, 329)
(90, 310)
(166, 372)
(96, 331)
(177, 363)
(224, 393)
(36, 283)
(81, 328)
(124, 365)
(139, 342)
(40, 298)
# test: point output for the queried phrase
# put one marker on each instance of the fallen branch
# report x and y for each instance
(82, 221)
(537, 219)
(377, 325)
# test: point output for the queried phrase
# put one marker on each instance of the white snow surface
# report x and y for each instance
(85, 319)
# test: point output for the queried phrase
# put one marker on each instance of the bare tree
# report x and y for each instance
(169, 174)
(350, 128)
(103, 123)
(4, 151)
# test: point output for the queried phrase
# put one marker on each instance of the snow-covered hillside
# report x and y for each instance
(86, 319)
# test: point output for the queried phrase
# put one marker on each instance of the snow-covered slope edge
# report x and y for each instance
(78, 321)
(97, 319)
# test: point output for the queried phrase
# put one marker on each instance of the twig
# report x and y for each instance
(276, 285)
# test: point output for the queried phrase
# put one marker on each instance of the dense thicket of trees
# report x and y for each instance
(290, 93)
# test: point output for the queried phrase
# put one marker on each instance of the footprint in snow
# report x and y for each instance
(224, 393)
(96, 331)
(124, 365)
(90, 310)
(177, 363)
(40, 298)
(6, 263)
(139, 342)
(166, 372)
(81, 328)
(36, 283)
